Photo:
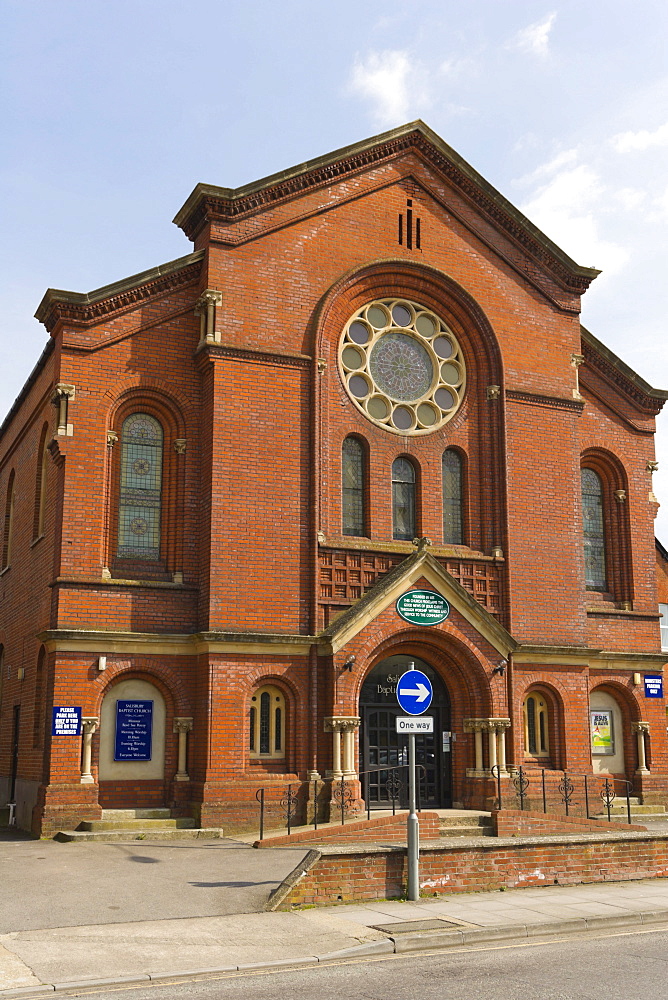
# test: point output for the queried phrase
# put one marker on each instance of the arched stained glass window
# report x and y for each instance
(536, 729)
(266, 723)
(593, 530)
(403, 499)
(452, 498)
(141, 488)
(352, 475)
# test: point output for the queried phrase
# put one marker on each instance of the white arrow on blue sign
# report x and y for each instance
(414, 692)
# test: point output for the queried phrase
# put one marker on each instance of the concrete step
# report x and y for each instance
(100, 825)
(466, 831)
(123, 814)
(472, 819)
(150, 835)
(619, 809)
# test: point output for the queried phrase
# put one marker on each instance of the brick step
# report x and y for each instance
(108, 836)
(100, 825)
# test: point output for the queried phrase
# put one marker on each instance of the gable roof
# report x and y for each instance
(230, 204)
(386, 590)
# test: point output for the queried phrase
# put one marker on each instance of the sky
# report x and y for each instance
(111, 112)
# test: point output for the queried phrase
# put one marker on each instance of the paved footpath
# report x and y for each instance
(55, 942)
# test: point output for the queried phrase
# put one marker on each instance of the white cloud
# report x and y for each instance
(565, 208)
(629, 198)
(535, 39)
(567, 158)
(383, 79)
(627, 142)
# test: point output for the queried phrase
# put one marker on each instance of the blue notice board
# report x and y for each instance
(653, 686)
(134, 730)
(66, 721)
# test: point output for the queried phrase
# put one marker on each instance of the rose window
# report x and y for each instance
(402, 366)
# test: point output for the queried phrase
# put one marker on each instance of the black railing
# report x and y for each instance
(567, 787)
(342, 798)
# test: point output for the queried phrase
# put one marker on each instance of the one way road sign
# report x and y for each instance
(414, 692)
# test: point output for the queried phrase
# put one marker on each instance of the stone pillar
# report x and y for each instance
(62, 395)
(205, 308)
(182, 726)
(476, 727)
(640, 729)
(88, 725)
(342, 728)
(500, 726)
(491, 735)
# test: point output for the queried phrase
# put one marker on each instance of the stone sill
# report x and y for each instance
(363, 544)
(98, 581)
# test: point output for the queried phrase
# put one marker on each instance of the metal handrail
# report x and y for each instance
(566, 787)
(290, 799)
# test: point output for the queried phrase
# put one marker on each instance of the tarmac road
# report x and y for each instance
(48, 884)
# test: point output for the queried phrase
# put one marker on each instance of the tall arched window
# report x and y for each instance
(8, 532)
(536, 725)
(38, 717)
(593, 530)
(352, 477)
(40, 485)
(139, 505)
(453, 533)
(403, 499)
(266, 723)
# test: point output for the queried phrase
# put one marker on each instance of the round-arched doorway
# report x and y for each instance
(381, 745)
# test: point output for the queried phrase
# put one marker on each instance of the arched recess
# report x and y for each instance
(616, 522)
(465, 682)
(41, 484)
(441, 294)
(262, 750)
(543, 746)
(162, 409)
(611, 713)
(132, 743)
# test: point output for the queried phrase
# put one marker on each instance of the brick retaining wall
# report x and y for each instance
(347, 875)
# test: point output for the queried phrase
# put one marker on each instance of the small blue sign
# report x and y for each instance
(134, 729)
(414, 692)
(653, 686)
(66, 721)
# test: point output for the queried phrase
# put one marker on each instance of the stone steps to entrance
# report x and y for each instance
(137, 824)
(464, 823)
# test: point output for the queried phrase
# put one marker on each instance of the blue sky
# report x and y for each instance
(112, 111)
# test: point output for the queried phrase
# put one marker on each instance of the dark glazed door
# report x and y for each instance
(15, 752)
(383, 748)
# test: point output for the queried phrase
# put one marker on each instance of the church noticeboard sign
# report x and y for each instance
(423, 607)
(134, 729)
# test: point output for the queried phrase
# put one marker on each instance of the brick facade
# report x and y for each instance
(253, 585)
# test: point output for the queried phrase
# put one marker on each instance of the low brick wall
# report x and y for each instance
(518, 822)
(348, 874)
(387, 828)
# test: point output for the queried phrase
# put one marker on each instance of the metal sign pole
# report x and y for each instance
(413, 828)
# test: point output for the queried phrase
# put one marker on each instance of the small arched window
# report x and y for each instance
(139, 507)
(40, 485)
(536, 725)
(38, 717)
(8, 532)
(593, 530)
(267, 723)
(352, 477)
(403, 500)
(453, 533)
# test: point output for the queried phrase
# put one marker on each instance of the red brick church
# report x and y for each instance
(367, 379)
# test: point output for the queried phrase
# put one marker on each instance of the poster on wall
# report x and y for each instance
(602, 735)
(66, 720)
(134, 730)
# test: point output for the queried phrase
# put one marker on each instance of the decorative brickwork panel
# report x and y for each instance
(346, 575)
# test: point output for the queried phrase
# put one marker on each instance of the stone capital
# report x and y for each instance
(341, 723)
(183, 725)
(89, 724)
(63, 389)
(180, 446)
(640, 727)
(209, 297)
(474, 725)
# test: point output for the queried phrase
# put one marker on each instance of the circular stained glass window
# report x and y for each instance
(402, 366)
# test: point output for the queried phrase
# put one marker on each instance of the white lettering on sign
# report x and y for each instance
(406, 724)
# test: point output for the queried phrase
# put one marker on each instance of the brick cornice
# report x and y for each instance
(84, 308)
(227, 205)
(604, 362)
(285, 360)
